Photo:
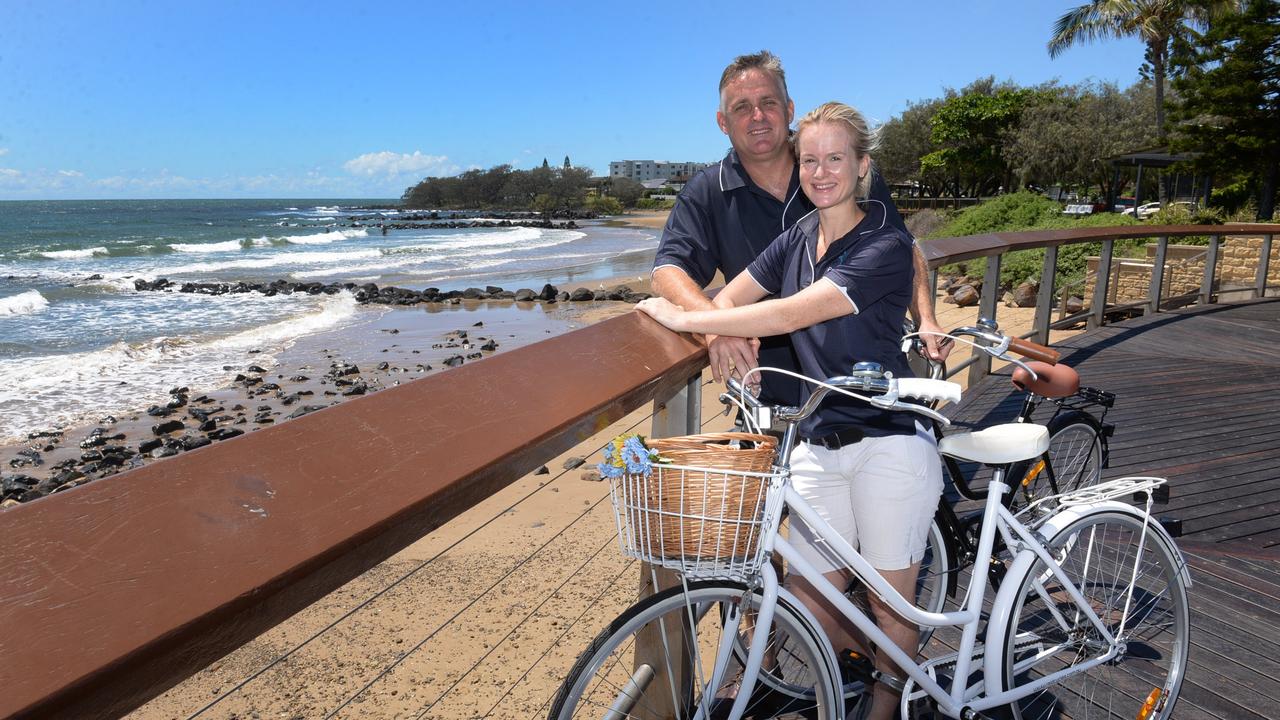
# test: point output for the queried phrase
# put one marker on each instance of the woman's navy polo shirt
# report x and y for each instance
(872, 265)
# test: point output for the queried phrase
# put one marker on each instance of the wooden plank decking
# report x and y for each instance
(1199, 403)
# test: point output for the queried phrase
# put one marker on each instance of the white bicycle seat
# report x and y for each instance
(998, 444)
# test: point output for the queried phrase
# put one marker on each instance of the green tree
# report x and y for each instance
(1058, 142)
(1230, 98)
(967, 132)
(903, 141)
(1157, 23)
(626, 190)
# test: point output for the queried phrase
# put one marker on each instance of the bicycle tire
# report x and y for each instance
(1075, 451)
(1098, 552)
(602, 678)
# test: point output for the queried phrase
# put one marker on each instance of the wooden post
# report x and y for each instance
(1156, 287)
(1264, 258)
(1101, 287)
(681, 414)
(1210, 269)
(1044, 299)
(986, 309)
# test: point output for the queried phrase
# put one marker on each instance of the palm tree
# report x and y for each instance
(1155, 22)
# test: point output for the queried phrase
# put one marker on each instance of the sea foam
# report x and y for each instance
(24, 303)
(74, 254)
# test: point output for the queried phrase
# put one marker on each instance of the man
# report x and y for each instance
(730, 212)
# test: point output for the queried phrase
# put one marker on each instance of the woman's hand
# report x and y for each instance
(662, 310)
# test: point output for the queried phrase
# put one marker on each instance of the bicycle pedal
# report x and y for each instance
(856, 666)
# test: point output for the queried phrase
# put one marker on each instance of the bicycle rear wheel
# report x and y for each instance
(1075, 456)
(1048, 633)
(657, 660)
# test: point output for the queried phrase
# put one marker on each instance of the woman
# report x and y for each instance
(842, 278)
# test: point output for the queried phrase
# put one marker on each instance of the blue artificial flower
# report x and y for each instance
(627, 455)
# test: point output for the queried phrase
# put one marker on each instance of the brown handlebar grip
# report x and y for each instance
(1034, 351)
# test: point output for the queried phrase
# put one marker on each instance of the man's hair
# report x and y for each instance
(862, 140)
(763, 61)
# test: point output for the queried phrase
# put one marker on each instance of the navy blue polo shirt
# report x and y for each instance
(723, 221)
(872, 266)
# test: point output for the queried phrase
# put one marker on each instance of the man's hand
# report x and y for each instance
(733, 357)
(937, 347)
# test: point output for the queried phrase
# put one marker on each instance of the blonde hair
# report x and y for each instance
(764, 61)
(862, 140)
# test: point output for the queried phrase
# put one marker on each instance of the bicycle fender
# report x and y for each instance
(1068, 515)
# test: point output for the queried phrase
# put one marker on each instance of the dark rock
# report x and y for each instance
(225, 433)
(207, 426)
(454, 361)
(27, 457)
(549, 292)
(542, 471)
(305, 409)
(263, 418)
(965, 296)
(256, 369)
(1024, 296)
(341, 369)
(1074, 305)
(560, 297)
(383, 366)
(525, 295)
(582, 295)
(299, 378)
(489, 346)
(574, 462)
(356, 389)
(191, 442)
(163, 452)
(147, 446)
(157, 411)
(167, 427)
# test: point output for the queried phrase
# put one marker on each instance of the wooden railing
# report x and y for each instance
(116, 590)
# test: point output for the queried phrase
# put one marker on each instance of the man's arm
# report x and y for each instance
(922, 297)
(729, 356)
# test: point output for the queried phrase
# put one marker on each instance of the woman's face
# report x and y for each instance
(829, 169)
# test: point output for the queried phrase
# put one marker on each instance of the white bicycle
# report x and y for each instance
(1090, 621)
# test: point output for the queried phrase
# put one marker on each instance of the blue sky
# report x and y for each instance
(346, 100)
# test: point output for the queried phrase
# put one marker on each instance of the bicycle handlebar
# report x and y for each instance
(888, 394)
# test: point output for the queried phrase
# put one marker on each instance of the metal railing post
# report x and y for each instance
(680, 414)
(1044, 298)
(981, 366)
(1210, 269)
(1101, 288)
(1157, 276)
(1264, 259)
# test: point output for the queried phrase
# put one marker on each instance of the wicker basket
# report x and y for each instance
(701, 513)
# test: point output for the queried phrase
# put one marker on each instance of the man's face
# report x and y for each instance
(755, 115)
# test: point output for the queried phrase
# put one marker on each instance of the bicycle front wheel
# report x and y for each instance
(659, 660)
(1103, 554)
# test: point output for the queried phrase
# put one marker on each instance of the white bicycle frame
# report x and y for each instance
(959, 699)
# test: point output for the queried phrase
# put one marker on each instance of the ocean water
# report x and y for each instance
(78, 342)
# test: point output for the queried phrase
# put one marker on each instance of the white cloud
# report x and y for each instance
(10, 172)
(390, 164)
(70, 173)
(4, 151)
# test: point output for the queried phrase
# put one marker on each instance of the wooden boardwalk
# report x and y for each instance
(1199, 403)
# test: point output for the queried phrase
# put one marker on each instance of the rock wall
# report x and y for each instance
(1184, 270)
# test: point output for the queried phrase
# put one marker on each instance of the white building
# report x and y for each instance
(643, 170)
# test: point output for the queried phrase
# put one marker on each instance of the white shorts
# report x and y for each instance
(879, 494)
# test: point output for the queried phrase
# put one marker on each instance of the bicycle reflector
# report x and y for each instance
(1153, 702)
(1033, 473)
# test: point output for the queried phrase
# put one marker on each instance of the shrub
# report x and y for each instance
(1029, 211)
(654, 204)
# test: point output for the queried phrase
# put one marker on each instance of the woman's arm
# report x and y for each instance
(816, 303)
